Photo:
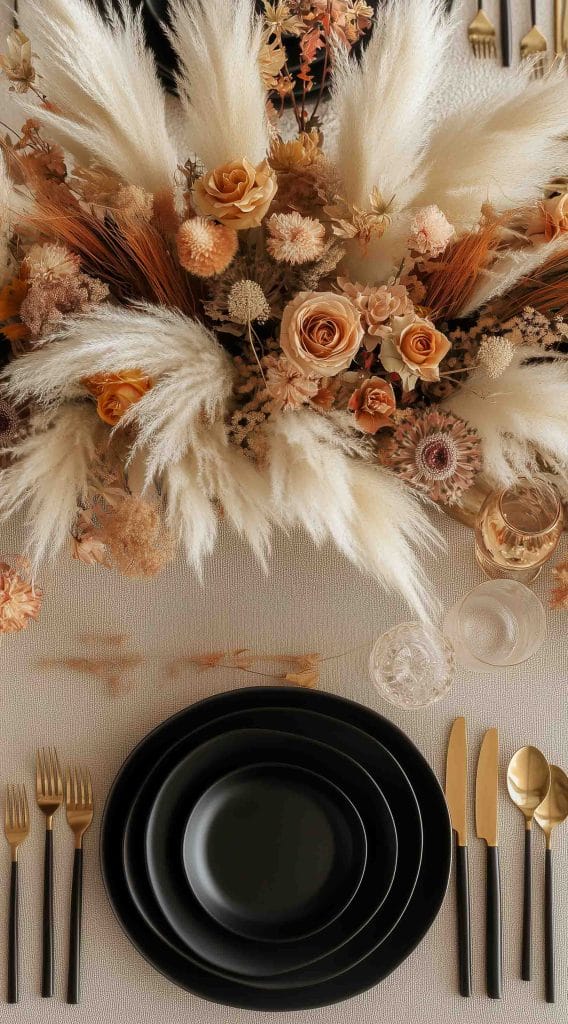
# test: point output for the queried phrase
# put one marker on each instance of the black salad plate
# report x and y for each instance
(184, 778)
(164, 837)
(274, 851)
(379, 961)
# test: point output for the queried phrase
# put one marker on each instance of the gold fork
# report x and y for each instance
(482, 35)
(79, 807)
(534, 46)
(16, 827)
(49, 797)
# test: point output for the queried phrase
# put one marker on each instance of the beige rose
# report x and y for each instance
(550, 219)
(373, 404)
(236, 194)
(116, 392)
(422, 348)
(320, 333)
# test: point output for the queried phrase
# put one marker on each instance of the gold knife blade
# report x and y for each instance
(456, 779)
(565, 27)
(487, 789)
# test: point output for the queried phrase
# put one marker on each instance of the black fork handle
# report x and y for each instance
(12, 995)
(47, 958)
(533, 12)
(506, 33)
(74, 969)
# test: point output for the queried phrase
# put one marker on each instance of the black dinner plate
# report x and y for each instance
(272, 851)
(201, 939)
(181, 791)
(425, 902)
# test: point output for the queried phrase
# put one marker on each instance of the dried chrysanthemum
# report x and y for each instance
(559, 595)
(430, 231)
(295, 239)
(20, 600)
(16, 64)
(296, 154)
(204, 247)
(136, 537)
(49, 300)
(280, 18)
(495, 355)
(287, 387)
(247, 303)
(435, 452)
(52, 261)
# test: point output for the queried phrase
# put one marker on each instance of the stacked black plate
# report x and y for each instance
(276, 848)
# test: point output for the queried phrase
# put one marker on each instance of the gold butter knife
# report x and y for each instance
(486, 813)
(456, 797)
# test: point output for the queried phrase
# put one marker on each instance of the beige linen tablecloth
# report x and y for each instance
(312, 601)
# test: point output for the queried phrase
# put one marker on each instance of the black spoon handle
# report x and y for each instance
(548, 929)
(527, 909)
(464, 919)
(74, 969)
(493, 932)
(13, 943)
(506, 33)
(47, 920)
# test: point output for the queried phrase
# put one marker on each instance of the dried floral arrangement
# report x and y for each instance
(276, 330)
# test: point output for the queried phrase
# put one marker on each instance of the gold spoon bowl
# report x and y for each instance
(554, 808)
(528, 781)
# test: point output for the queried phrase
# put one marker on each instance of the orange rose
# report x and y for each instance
(550, 219)
(237, 194)
(373, 404)
(320, 333)
(422, 348)
(116, 392)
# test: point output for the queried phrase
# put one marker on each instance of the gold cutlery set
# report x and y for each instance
(540, 791)
(482, 35)
(51, 793)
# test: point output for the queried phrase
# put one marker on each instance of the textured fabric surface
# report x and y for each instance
(312, 601)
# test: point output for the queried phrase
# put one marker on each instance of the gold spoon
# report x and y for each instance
(528, 780)
(551, 812)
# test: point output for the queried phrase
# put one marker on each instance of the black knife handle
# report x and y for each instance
(74, 969)
(493, 929)
(47, 918)
(548, 929)
(506, 33)
(13, 951)
(464, 919)
(527, 909)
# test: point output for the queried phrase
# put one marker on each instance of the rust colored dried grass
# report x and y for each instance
(450, 280)
(545, 290)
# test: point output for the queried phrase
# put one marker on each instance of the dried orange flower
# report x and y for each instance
(287, 386)
(349, 221)
(295, 239)
(116, 392)
(559, 596)
(238, 194)
(204, 247)
(16, 64)
(296, 154)
(271, 59)
(20, 601)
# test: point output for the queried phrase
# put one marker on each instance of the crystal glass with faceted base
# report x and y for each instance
(412, 665)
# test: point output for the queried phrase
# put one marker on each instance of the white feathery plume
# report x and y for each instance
(101, 77)
(501, 151)
(50, 475)
(374, 519)
(521, 418)
(219, 80)
(153, 339)
(192, 517)
(508, 269)
(6, 215)
(381, 105)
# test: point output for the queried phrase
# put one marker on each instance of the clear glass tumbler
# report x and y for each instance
(517, 530)
(499, 623)
(412, 665)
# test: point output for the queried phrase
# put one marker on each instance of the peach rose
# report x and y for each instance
(236, 194)
(320, 333)
(373, 404)
(550, 219)
(116, 392)
(416, 350)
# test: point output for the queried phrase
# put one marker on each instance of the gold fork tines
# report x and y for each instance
(482, 35)
(49, 784)
(534, 47)
(17, 818)
(78, 802)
